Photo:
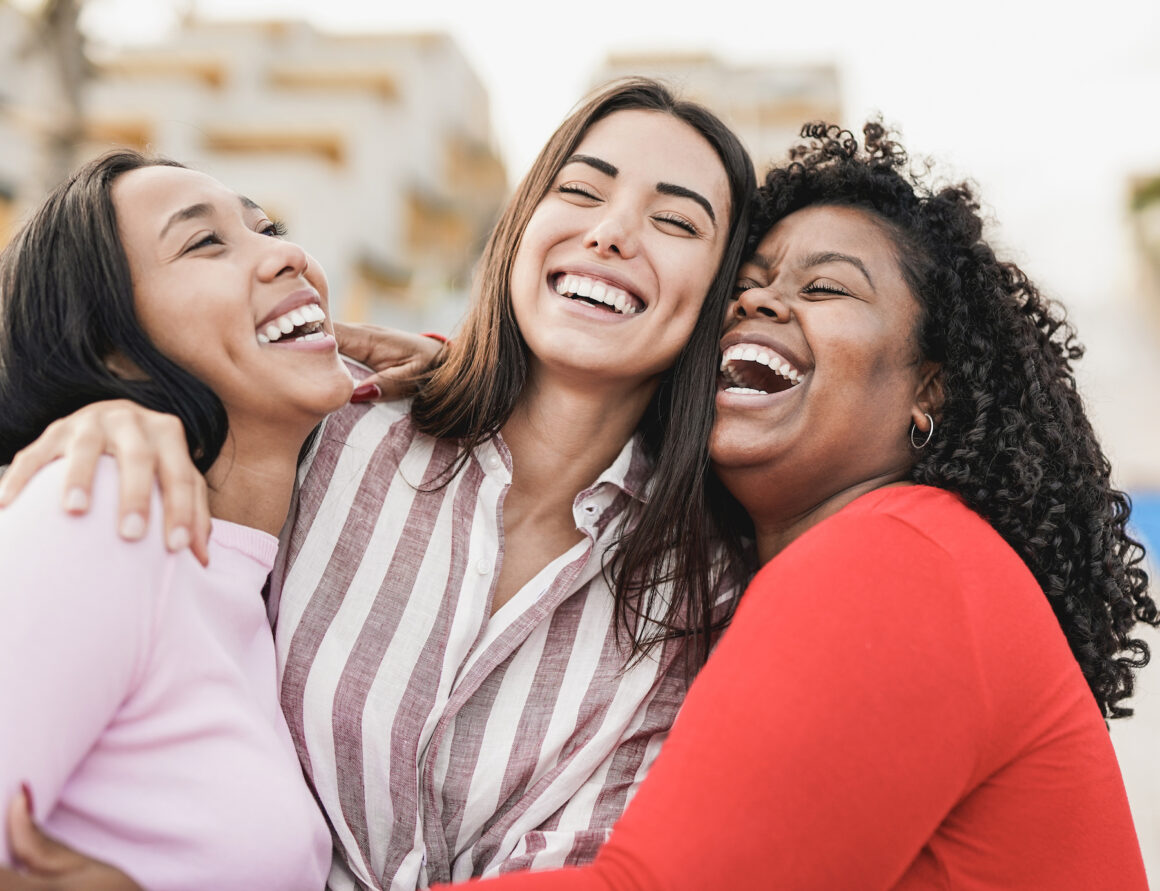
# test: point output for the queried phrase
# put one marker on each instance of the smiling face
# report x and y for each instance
(221, 294)
(614, 265)
(821, 376)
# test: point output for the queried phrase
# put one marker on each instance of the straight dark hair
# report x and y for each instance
(66, 308)
(671, 549)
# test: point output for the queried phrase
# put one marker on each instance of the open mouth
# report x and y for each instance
(597, 293)
(754, 370)
(303, 323)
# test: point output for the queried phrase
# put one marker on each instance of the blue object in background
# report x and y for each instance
(1145, 522)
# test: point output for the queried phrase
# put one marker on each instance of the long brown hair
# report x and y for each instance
(474, 391)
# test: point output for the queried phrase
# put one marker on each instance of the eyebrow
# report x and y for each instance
(664, 188)
(202, 210)
(682, 192)
(823, 257)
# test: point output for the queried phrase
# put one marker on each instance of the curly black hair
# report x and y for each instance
(1012, 439)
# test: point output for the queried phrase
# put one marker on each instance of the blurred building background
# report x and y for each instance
(377, 150)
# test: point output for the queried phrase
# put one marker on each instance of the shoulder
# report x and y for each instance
(920, 520)
(36, 533)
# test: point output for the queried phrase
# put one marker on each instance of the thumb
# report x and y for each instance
(354, 341)
(37, 851)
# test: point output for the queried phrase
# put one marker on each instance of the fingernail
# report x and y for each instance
(27, 790)
(366, 393)
(76, 501)
(132, 527)
(178, 538)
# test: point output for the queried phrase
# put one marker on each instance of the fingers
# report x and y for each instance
(147, 446)
(49, 446)
(356, 341)
(396, 382)
(49, 865)
(31, 847)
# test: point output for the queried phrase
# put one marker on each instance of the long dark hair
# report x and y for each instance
(671, 542)
(1013, 439)
(66, 308)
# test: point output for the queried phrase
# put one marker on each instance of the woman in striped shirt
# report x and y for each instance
(490, 598)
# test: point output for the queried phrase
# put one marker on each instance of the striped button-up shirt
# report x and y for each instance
(443, 741)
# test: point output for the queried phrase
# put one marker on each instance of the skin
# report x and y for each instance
(592, 371)
(202, 284)
(825, 291)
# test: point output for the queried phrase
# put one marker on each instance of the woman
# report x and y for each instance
(489, 599)
(912, 691)
(140, 690)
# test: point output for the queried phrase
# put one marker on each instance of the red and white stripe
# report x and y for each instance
(443, 742)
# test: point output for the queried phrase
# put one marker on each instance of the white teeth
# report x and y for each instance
(746, 391)
(748, 352)
(598, 291)
(295, 318)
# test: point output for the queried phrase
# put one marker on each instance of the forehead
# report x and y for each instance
(657, 147)
(846, 230)
(149, 195)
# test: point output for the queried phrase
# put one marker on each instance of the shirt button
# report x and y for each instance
(494, 462)
(483, 567)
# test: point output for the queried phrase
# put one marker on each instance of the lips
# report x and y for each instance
(754, 369)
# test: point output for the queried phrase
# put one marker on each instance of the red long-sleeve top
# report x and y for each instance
(894, 706)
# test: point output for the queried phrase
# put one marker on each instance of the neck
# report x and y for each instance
(252, 480)
(562, 438)
(775, 529)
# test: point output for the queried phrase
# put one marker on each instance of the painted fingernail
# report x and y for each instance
(75, 501)
(178, 539)
(366, 393)
(132, 527)
(27, 790)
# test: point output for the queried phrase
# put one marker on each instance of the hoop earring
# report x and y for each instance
(929, 433)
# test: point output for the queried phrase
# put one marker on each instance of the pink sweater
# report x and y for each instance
(138, 698)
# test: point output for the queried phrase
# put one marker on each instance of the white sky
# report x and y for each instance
(1049, 111)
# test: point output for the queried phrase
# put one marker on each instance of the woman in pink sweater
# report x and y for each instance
(139, 693)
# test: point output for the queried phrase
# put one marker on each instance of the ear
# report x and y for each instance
(928, 398)
(124, 367)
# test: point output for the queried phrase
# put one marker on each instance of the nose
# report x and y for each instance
(281, 258)
(754, 302)
(612, 235)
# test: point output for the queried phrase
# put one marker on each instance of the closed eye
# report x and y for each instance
(207, 240)
(573, 189)
(742, 286)
(826, 288)
(679, 222)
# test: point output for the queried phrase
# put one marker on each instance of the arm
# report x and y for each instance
(834, 727)
(149, 447)
(76, 613)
